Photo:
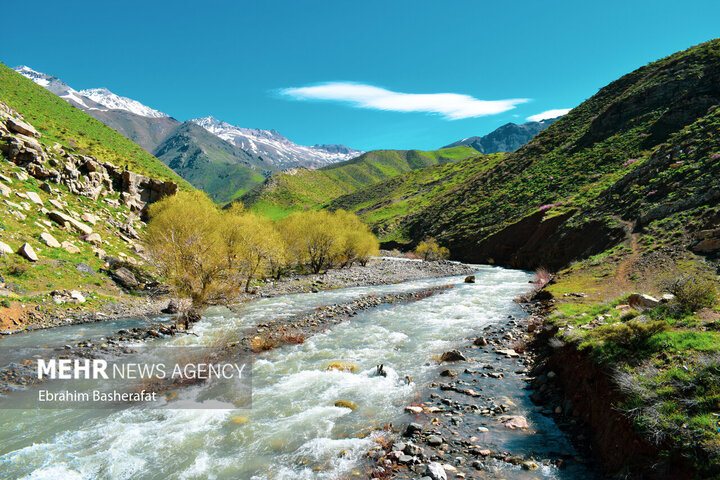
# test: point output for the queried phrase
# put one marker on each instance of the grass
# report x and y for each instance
(76, 131)
(302, 188)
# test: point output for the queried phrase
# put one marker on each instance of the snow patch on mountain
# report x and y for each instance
(91, 99)
(109, 100)
(274, 148)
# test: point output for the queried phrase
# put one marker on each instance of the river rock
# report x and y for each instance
(27, 252)
(642, 302)
(412, 449)
(412, 429)
(434, 440)
(480, 341)
(413, 409)
(49, 240)
(515, 422)
(453, 356)
(346, 404)
(435, 471)
(470, 279)
(530, 466)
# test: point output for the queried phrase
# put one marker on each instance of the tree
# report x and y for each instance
(252, 244)
(430, 250)
(358, 242)
(184, 243)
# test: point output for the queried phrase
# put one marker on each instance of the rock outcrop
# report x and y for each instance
(81, 174)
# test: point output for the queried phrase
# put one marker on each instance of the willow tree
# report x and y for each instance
(314, 236)
(252, 244)
(185, 245)
(358, 242)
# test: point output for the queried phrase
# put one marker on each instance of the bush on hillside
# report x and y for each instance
(430, 250)
(693, 290)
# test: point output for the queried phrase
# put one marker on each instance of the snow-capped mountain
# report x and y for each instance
(90, 99)
(275, 148)
(109, 100)
(56, 86)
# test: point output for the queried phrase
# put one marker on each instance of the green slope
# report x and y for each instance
(387, 206)
(211, 164)
(554, 180)
(301, 188)
(62, 123)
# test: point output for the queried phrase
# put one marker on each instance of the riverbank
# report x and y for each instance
(477, 416)
(379, 271)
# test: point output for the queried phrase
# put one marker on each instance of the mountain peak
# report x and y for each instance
(108, 99)
(274, 148)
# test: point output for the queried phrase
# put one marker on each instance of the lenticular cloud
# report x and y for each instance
(452, 106)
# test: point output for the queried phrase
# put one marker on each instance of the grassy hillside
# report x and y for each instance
(62, 123)
(301, 188)
(387, 206)
(556, 178)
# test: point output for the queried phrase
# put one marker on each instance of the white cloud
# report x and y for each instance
(558, 112)
(452, 106)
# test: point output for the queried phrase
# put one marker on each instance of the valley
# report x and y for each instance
(561, 318)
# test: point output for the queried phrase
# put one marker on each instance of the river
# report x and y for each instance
(293, 430)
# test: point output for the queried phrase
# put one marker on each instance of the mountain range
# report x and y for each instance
(506, 138)
(224, 164)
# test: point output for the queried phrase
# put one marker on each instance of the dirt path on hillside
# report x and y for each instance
(624, 269)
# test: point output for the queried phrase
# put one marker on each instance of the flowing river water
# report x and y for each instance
(293, 430)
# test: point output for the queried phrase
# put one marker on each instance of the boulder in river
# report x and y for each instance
(412, 429)
(346, 404)
(341, 365)
(470, 279)
(453, 356)
(515, 422)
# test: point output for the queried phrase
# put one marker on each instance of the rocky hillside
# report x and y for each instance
(70, 226)
(506, 138)
(301, 188)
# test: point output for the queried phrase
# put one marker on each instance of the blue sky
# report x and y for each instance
(339, 71)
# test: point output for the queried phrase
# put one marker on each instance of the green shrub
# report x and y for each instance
(5, 303)
(693, 290)
(633, 332)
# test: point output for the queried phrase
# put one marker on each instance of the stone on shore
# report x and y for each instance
(435, 471)
(453, 356)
